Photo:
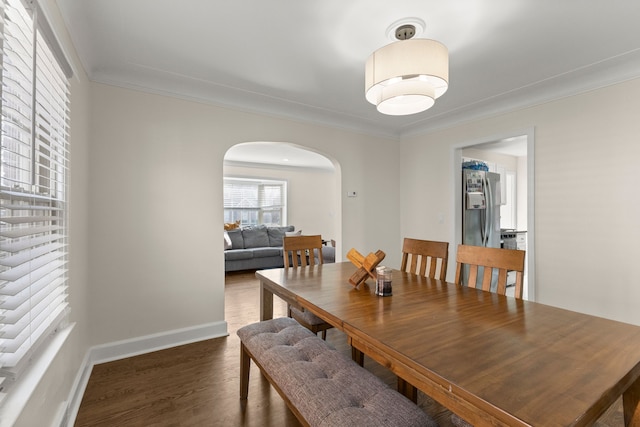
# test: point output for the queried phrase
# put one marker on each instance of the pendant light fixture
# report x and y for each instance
(407, 76)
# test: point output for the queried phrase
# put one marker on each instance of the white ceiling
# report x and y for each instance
(305, 59)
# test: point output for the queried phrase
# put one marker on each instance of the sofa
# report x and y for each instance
(259, 247)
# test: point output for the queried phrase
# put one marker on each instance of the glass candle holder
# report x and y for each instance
(383, 281)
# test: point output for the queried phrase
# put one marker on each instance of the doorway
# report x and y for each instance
(312, 202)
(511, 156)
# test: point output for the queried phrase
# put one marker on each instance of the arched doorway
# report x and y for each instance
(312, 181)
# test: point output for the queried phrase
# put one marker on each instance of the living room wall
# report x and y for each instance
(156, 193)
(586, 218)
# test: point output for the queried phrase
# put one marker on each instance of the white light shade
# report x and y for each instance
(407, 76)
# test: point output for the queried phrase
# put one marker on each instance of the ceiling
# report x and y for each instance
(305, 59)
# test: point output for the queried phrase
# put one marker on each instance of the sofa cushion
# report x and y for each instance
(237, 242)
(255, 236)
(238, 254)
(277, 233)
(268, 251)
(329, 254)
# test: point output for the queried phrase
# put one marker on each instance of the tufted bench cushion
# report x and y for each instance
(321, 386)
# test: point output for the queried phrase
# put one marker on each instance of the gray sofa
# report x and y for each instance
(260, 247)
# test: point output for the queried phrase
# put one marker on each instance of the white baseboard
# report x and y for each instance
(133, 347)
(60, 419)
(77, 391)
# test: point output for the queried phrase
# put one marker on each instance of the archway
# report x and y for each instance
(313, 183)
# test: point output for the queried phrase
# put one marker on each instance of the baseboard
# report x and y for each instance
(134, 347)
(77, 391)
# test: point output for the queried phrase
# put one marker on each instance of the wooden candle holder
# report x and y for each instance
(365, 265)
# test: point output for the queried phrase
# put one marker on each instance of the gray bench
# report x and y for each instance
(321, 386)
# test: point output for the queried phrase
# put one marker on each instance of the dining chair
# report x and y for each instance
(302, 251)
(424, 257)
(490, 259)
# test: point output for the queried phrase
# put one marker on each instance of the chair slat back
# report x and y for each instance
(301, 251)
(425, 257)
(503, 260)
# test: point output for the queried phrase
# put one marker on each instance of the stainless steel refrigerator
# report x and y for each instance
(480, 210)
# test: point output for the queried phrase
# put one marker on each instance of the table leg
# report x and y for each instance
(404, 388)
(357, 356)
(631, 404)
(407, 390)
(266, 303)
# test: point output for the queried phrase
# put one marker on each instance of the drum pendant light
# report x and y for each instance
(407, 76)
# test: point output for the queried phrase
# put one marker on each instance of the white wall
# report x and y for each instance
(156, 205)
(313, 196)
(586, 218)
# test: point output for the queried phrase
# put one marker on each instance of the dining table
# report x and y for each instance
(494, 360)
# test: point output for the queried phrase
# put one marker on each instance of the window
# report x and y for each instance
(255, 201)
(33, 187)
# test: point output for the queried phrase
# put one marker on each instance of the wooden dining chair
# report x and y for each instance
(502, 260)
(302, 251)
(425, 258)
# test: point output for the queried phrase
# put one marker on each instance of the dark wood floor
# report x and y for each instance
(198, 384)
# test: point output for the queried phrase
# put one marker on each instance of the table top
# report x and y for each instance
(523, 362)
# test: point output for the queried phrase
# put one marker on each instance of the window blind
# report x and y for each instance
(33, 190)
(254, 201)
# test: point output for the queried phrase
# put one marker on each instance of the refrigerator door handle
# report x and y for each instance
(483, 227)
(489, 207)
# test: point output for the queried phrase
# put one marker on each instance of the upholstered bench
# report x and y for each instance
(321, 386)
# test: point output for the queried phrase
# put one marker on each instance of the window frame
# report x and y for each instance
(259, 207)
(34, 197)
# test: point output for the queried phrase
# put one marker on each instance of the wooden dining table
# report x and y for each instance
(494, 360)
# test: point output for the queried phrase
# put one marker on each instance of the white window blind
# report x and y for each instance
(255, 201)
(33, 190)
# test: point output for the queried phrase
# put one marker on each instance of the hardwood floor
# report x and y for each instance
(198, 384)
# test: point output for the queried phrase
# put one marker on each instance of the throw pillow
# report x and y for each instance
(237, 242)
(227, 241)
(277, 233)
(255, 236)
(232, 225)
